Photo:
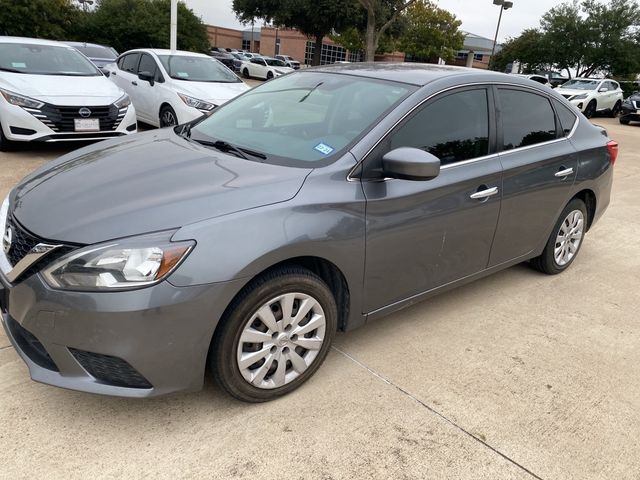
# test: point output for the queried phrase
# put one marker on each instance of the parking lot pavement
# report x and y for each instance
(518, 375)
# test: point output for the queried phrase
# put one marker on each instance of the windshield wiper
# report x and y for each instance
(309, 93)
(230, 148)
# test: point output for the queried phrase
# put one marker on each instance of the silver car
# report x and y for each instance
(316, 202)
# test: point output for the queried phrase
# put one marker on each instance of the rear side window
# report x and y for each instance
(566, 116)
(129, 63)
(527, 119)
(453, 128)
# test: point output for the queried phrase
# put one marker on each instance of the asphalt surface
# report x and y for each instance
(516, 376)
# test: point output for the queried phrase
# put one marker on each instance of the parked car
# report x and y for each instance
(51, 92)
(593, 95)
(319, 201)
(168, 88)
(536, 78)
(630, 110)
(289, 61)
(100, 55)
(265, 68)
(225, 58)
(239, 58)
(555, 78)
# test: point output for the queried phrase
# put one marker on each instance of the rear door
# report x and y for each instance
(424, 234)
(127, 72)
(539, 165)
(147, 103)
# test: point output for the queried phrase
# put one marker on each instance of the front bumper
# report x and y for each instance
(140, 343)
(579, 104)
(21, 125)
(629, 113)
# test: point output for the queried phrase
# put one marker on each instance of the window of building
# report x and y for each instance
(527, 119)
(329, 54)
(453, 128)
(246, 45)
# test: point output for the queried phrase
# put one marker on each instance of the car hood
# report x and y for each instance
(217, 93)
(147, 182)
(63, 89)
(572, 91)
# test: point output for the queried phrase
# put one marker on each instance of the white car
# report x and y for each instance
(593, 95)
(51, 92)
(264, 67)
(170, 88)
(536, 78)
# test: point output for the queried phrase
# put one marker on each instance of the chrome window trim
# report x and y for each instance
(538, 91)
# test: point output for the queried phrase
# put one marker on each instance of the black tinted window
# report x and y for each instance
(453, 128)
(566, 116)
(527, 119)
(130, 63)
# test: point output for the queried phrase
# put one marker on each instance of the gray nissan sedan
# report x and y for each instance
(316, 202)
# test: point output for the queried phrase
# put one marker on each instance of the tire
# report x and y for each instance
(269, 75)
(5, 145)
(261, 381)
(590, 111)
(572, 219)
(168, 117)
(624, 121)
(616, 109)
(245, 73)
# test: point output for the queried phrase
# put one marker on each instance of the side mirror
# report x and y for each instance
(147, 77)
(410, 164)
(603, 90)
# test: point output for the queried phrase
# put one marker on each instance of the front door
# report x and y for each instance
(424, 234)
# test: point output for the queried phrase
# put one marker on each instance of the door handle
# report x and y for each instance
(486, 193)
(134, 83)
(564, 173)
(114, 73)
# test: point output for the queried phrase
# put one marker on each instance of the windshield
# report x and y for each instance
(274, 62)
(302, 119)
(581, 84)
(197, 69)
(45, 60)
(94, 51)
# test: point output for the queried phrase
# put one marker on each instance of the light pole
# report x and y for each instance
(504, 5)
(173, 26)
(84, 4)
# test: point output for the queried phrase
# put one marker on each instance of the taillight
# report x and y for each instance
(613, 151)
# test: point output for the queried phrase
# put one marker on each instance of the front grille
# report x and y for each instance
(110, 370)
(31, 346)
(636, 104)
(21, 242)
(61, 118)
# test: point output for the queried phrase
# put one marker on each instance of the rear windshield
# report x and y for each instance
(98, 52)
(45, 60)
(197, 69)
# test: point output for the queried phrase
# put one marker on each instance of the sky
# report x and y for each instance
(477, 16)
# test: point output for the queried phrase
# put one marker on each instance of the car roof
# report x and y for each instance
(84, 44)
(32, 41)
(166, 51)
(414, 73)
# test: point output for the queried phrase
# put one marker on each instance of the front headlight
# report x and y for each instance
(195, 103)
(123, 101)
(119, 265)
(20, 100)
(582, 96)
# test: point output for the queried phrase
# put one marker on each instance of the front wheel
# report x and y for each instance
(269, 75)
(275, 335)
(565, 240)
(5, 145)
(168, 117)
(590, 111)
(624, 121)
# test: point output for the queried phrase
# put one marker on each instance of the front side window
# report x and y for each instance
(148, 65)
(130, 63)
(453, 128)
(36, 59)
(303, 119)
(197, 69)
(527, 119)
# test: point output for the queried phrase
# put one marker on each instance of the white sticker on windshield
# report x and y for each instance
(182, 74)
(18, 65)
(323, 148)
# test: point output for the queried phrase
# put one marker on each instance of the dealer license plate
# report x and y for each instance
(87, 124)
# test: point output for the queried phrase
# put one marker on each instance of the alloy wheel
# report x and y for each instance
(569, 237)
(281, 340)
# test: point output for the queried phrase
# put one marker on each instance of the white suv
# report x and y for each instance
(173, 87)
(51, 92)
(593, 95)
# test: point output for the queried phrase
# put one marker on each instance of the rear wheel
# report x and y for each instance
(245, 73)
(565, 240)
(590, 111)
(168, 117)
(616, 109)
(275, 335)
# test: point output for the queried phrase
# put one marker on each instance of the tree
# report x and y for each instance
(127, 24)
(314, 18)
(37, 18)
(530, 49)
(381, 15)
(430, 32)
